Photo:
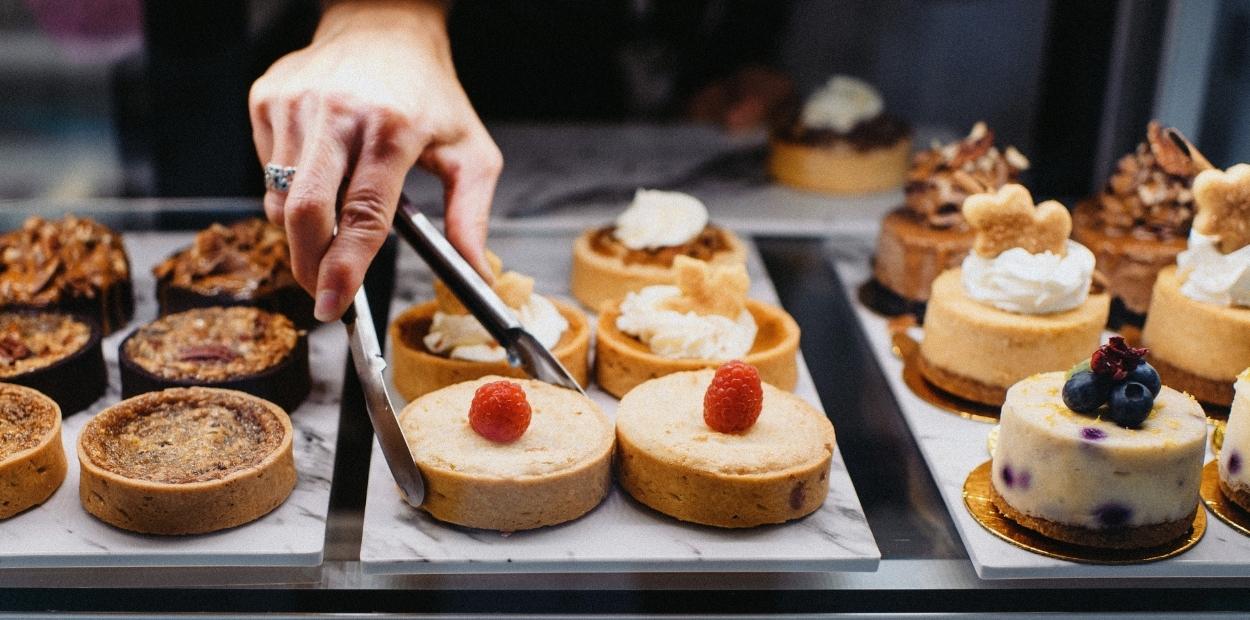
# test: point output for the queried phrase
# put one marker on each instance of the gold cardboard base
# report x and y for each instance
(1223, 508)
(908, 350)
(977, 501)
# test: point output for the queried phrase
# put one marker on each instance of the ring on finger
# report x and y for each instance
(278, 178)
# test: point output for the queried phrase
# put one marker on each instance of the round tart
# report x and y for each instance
(240, 348)
(1083, 479)
(1129, 263)
(73, 265)
(186, 461)
(32, 459)
(1234, 468)
(1198, 347)
(246, 263)
(669, 459)
(556, 471)
(56, 353)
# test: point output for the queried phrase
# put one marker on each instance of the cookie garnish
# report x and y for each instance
(513, 288)
(709, 289)
(1008, 219)
(1222, 200)
(1118, 376)
(734, 399)
(500, 411)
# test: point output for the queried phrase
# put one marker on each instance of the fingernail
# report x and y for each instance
(327, 306)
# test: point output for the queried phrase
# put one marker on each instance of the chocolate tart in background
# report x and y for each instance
(246, 263)
(73, 264)
(841, 142)
(928, 234)
(1139, 222)
(32, 459)
(239, 348)
(56, 353)
(186, 461)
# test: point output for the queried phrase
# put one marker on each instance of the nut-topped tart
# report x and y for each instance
(246, 263)
(32, 459)
(841, 141)
(186, 461)
(1104, 456)
(56, 353)
(928, 234)
(73, 264)
(639, 249)
(1139, 222)
(240, 348)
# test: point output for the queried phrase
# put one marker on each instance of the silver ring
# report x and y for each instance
(278, 178)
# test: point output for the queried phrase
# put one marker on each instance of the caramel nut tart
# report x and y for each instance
(1138, 223)
(246, 263)
(56, 353)
(1233, 468)
(438, 343)
(239, 348)
(73, 265)
(1135, 446)
(841, 142)
(767, 463)
(509, 454)
(699, 323)
(639, 249)
(32, 459)
(928, 234)
(1021, 303)
(186, 461)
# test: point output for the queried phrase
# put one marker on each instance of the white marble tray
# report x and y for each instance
(619, 535)
(952, 446)
(61, 534)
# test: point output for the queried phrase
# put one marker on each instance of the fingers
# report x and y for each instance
(469, 170)
(308, 211)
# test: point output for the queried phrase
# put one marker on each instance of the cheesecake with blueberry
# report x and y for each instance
(1102, 456)
(1234, 470)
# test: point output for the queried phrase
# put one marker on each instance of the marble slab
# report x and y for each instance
(619, 535)
(952, 446)
(60, 534)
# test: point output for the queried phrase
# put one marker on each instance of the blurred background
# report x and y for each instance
(105, 98)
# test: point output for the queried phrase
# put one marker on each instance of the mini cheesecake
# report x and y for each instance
(556, 471)
(1083, 479)
(56, 353)
(32, 459)
(186, 461)
(669, 459)
(73, 265)
(247, 263)
(1234, 468)
(240, 348)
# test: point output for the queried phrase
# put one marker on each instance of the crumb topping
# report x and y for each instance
(212, 344)
(703, 247)
(1150, 194)
(248, 258)
(24, 421)
(33, 340)
(47, 261)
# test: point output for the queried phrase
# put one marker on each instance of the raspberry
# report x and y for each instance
(500, 411)
(1116, 359)
(734, 399)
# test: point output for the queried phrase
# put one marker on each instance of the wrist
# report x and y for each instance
(423, 19)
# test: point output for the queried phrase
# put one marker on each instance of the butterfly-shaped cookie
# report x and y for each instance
(709, 289)
(1007, 219)
(1222, 201)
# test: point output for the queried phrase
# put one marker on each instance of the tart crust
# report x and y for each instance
(911, 255)
(622, 362)
(29, 475)
(1129, 264)
(74, 380)
(557, 471)
(663, 457)
(596, 279)
(417, 371)
(839, 168)
(168, 488)
(1139, 537)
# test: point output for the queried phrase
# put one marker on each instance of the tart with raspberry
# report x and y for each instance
(719, 447)
(509, 454)
(56, 353)
(32, 459)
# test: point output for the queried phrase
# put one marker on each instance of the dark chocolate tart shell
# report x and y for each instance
(291, 301)
(74, 381)
(285, 384)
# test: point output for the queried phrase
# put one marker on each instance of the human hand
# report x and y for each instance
(373, 94)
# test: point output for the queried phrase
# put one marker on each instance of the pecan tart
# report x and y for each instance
(32, 459)
(56, 353)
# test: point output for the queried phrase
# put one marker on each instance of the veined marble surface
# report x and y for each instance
(620, 534)
(953, 446)
(60, 533)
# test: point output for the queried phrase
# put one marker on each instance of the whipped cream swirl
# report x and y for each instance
(462, 337)
(1212, 277)
(659, 219)
(677, 335)
(841, 104)
(1024, 283)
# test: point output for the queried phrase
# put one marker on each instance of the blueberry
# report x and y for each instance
(1085, 392)
(1146, 375)
(1130, 403)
